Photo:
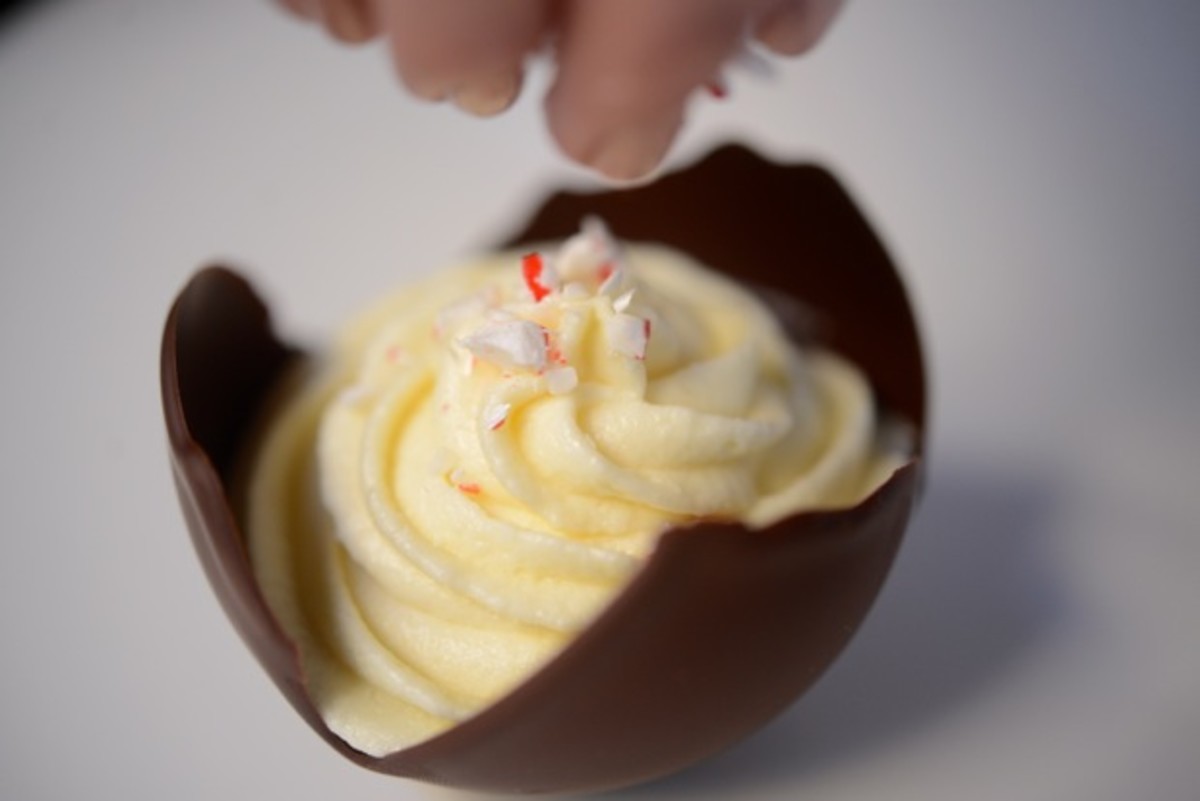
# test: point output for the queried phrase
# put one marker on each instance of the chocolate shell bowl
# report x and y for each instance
(723, 627)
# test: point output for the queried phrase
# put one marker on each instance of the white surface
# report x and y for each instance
(1033, 165)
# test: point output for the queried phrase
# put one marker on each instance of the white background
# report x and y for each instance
(1035, 166)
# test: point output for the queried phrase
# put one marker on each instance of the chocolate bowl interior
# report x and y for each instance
(724, 627)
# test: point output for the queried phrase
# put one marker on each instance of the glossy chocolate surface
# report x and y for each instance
(724, 627)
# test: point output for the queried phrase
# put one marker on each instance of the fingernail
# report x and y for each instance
(422, 89)
(632, 153)
(795, 28)
(346, 24)
(488, 96)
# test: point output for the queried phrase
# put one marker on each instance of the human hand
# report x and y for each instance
(625, 68)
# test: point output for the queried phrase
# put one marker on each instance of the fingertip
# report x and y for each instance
(795, 27)
(302, 9)
(626, 71)
(488, 95)
(627, 152)
(469, 51)
(421, 87)
(349, 21)
(633, 155)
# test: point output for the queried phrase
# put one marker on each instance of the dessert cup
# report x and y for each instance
(723, 627)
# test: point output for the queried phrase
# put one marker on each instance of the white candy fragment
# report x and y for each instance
(591, 258)
(575, 291)
(579, 257)
(628, 335)
(355, 395)
(561, 380)
(495, 415)
(451, 318)
(754, 63)
(622, 302)
(612, 277)
(575, 260)
(513, 344)
(595, 229)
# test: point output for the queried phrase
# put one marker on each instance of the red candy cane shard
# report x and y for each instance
(533, 270)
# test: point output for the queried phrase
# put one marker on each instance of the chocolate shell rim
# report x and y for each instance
(200, 474)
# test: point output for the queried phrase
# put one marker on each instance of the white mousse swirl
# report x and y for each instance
(486, 459)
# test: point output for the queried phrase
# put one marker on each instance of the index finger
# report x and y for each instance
(626, 69)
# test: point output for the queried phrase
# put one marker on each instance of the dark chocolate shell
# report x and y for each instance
(724, 627)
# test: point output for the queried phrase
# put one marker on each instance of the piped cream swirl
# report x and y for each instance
(486, 459)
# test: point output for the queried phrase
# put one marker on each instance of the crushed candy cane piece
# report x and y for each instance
(621, 303)
(612, 278)
(466, 362)
(751, 61)
(575, 291)
(513, 344)
(554, 354)
(595, 228)
(628, 335)
(561, 380)
(451, 317)
(748, 60)
(459, 479)
(355, 395)
(590, 257)
(540, 277)
(495, 415)
(577, 259)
